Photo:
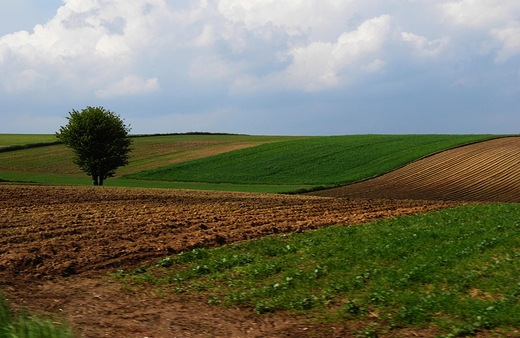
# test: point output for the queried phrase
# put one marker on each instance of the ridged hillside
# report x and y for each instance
(486, 171)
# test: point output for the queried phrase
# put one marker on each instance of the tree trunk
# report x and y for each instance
(94, 180)
(100, 180)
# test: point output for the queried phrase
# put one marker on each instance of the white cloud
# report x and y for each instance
(510, 38)
(130, 85)
(323, 65)
(24, 80)
(206, 38)
(211, 67)
(207, 55)
(259, 12)
(112, 46)
(87, 45)
(501, 18)
(481, 13)
(297, 17)
(318, 65)
(375, 66)
(425, 47)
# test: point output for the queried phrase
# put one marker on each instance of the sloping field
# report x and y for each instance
(486, 171)
(319, 161)
(53, 231)
(52, 164)
(9, 140)
(235, 162)
(147, 152)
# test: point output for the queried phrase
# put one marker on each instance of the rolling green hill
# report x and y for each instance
(231, 162)
(52, 164)
(317, 161)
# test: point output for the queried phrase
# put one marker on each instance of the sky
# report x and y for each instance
(264, 67)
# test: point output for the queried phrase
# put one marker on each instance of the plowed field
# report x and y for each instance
(61, 231)
(488, 171)
(47, 233)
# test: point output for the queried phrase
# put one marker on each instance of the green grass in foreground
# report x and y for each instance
(455, 269)
(325, 161)
(24, 325)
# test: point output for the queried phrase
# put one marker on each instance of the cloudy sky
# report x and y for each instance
(285, 67)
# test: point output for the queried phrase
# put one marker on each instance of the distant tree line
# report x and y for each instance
(188, 133)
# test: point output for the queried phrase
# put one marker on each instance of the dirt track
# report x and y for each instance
(487, 171)
(47, 233)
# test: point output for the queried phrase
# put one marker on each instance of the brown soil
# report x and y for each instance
(57, 243)
(487, 171)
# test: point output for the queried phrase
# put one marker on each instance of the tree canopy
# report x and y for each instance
(99, 139)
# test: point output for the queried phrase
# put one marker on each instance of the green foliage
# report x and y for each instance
(457, 269)
(24, 325)
(99, 139)
(311, 161)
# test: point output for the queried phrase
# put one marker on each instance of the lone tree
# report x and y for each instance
(99, 139)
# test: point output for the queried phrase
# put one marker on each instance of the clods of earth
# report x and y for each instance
(58, 243)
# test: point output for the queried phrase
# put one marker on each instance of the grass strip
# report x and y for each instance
(25, 139)
(25, 325)
(83, 180)
(27, 146)
(455, 269)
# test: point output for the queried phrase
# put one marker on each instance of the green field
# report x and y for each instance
(455, 269)
(318, 161)
(7, 140)
(232, 162)
(53, 164)
(148, 152)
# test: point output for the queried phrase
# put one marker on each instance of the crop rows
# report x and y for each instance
(486, 171)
